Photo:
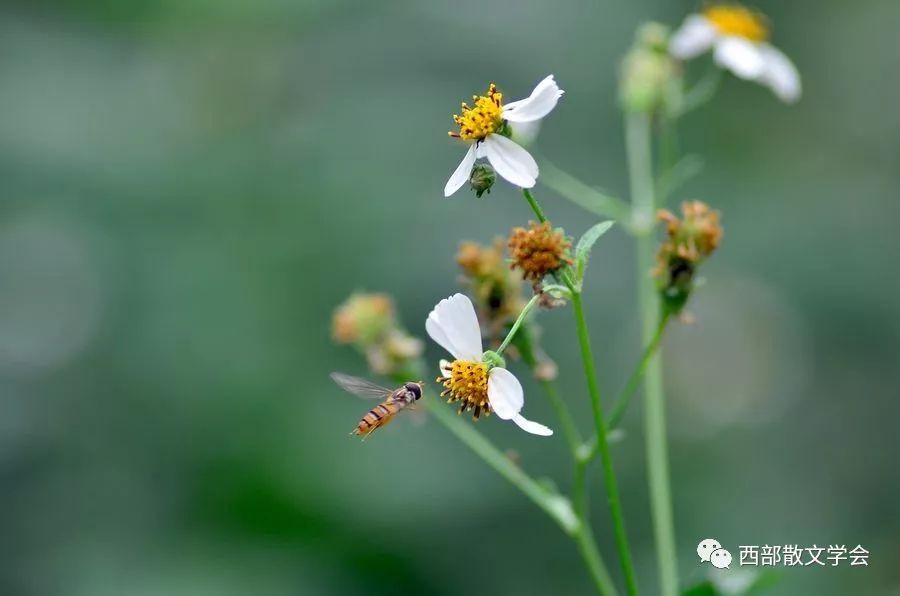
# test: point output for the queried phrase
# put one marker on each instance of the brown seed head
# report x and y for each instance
(539, 250)
(695, 236)
(477, 260)
(363, 319)
(493, 287)
(689, 241)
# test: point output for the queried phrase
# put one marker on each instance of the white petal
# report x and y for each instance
(462, 172)
(695, 36)
(444, 365)
(454, 326)
(537, 105)
(525, 133)
(511, 161)
(535, 428)
(780, 74)
(505, 393)
(741, 56)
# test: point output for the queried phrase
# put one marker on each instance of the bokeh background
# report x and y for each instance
(189, 187)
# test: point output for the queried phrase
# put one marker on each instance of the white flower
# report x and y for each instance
(469, 379)
(487, 125)
(738, 38)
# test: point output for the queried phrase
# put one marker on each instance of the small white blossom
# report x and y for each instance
(487, 124)
(469, 378)
(738, 39)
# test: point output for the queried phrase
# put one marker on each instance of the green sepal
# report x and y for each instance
(493, 359)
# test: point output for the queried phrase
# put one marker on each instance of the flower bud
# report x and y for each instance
(648, 73)
(482, 179)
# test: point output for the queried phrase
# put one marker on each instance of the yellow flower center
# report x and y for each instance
(739, 21)
(467, 383)
(483, 119)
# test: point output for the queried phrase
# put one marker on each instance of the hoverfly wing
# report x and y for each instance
(360, 387)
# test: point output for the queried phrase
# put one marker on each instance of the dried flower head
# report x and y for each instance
(539, 250)
(479, 261)
(394, 353)
(689, 241)
(697, 234)
(362, 318)
(495, 289)
(368, 322)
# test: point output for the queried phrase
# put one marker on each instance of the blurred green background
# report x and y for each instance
(189, 187)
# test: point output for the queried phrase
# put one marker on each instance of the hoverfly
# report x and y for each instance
(393, 400)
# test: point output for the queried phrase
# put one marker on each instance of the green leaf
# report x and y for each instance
(686, 168)
(583, 249)
(705, 588)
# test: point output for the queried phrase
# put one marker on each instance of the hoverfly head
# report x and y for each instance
(415, 389)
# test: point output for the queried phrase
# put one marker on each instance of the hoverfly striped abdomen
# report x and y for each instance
(378, 416)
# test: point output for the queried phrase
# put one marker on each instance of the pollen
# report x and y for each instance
(539, 250)
(484, 118)
(734, 19)
(467, 383)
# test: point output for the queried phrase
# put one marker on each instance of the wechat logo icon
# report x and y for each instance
(711, 551)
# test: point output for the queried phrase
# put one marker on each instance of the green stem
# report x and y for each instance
(521, 319)
(612, 489)
(637, 137)
(534, 205)
(553, 504)
(584, 538)
(587, 545)
(634, 380)
(526, 347)
(624, 397)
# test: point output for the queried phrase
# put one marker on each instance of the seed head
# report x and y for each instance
(495, 290)
(369, 323)
(689, 241)
(538, 250)
(363, 318)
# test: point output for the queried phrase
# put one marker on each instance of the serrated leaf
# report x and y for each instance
(583, 248)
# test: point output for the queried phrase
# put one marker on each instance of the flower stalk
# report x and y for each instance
(640, 170)
(532, 202)
(573, 522)
(590, 373)
(519, 320)
(570, 431)
(624, 399)
(557, 506)
(609, 475)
